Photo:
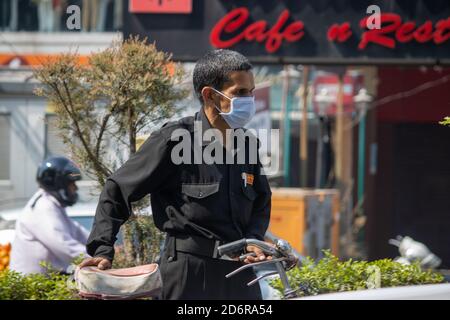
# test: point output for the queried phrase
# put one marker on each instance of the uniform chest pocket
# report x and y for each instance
(249, 192)
(199, 190)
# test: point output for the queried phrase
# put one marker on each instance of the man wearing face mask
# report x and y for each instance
(44, 232)
(199, 205)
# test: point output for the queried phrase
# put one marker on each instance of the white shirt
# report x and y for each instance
(45, 233)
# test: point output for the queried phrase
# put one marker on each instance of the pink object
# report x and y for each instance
(161, 6)
(126, 272)
(116, 284)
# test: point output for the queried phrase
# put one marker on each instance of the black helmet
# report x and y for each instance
(55, 174)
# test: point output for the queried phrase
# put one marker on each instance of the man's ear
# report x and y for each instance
(207, 94)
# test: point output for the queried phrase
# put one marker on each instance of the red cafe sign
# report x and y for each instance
(233, 29)
(395, 30)
(258, 31)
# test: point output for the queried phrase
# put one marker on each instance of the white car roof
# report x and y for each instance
(6, 236)
(10, 215)
(84, 209)
(78, 210)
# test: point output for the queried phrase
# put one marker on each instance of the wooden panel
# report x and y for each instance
(288, 215)
(335, 230)
(288, 221)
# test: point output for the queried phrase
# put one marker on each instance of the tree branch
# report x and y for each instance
(97, 164)
(100, 134)
(132, 132)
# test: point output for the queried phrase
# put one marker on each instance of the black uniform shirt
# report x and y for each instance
(222, 201)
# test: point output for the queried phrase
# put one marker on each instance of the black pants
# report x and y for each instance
(193, 277)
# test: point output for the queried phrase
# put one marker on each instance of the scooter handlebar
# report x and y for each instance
(233, 248)
(236, 248)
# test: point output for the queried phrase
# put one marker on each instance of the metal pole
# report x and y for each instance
(362, 100)
(323, 100)
(319, 155)
(361, 155)
(304, 131)
(340, 132)
(285, 121)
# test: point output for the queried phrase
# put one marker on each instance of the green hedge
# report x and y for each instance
(53, 286)
(331, 275)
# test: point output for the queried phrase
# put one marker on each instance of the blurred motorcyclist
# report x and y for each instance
(44, 232)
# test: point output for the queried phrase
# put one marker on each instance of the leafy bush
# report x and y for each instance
(331, 275)
(52, 286)
(446, 121)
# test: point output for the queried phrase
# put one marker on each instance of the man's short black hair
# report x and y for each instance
(214, 67)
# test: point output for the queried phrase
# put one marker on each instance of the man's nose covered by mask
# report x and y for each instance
(242, 110)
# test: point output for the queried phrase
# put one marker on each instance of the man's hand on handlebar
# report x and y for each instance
(100, 262)
(260, 256)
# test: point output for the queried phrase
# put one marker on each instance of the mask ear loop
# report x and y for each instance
(231, 106)
(223, 95)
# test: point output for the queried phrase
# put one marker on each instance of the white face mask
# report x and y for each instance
(242, 110)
